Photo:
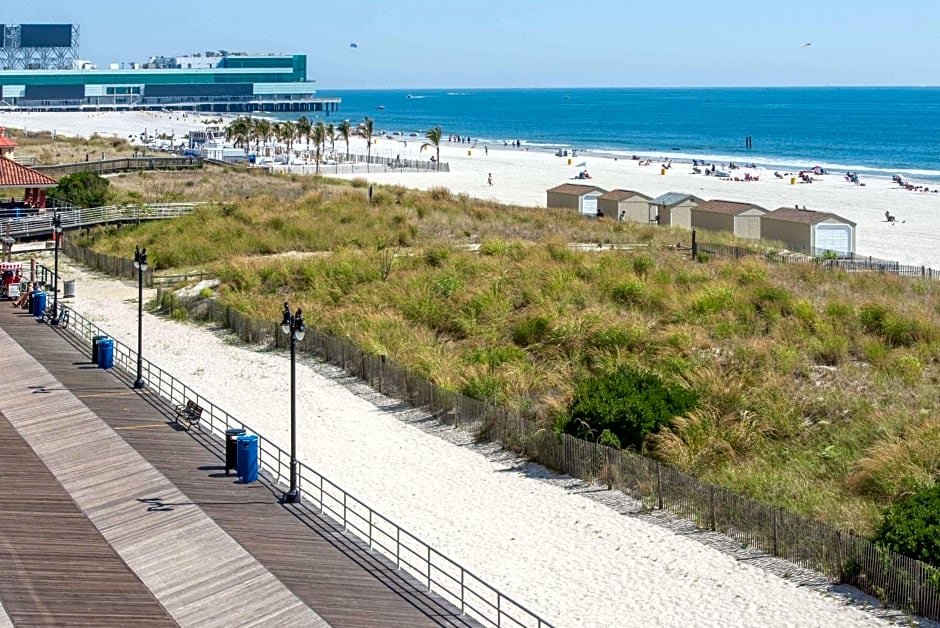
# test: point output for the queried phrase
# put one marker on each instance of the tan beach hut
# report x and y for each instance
(741, 219)
(673, 209)
(809, 231)
(582, 198)
(625, 205)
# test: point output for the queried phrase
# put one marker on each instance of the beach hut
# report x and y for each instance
(575, 196)
(809, 231)
(741, 219)
(625, 205)
(673, 209)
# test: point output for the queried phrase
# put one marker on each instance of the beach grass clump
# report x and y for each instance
(896, 465)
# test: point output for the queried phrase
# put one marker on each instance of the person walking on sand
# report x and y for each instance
(489, 179)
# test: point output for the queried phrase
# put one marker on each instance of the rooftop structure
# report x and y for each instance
(38, 46)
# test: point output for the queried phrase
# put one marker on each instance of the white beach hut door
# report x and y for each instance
(589, 205)
(835, 238)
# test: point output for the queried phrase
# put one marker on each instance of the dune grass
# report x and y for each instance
(818, 387)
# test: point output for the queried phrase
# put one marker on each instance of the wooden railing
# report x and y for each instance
(108, 166)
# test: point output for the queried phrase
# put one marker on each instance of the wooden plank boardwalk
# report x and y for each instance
(331, 572)
(197, 572)
(57, 569)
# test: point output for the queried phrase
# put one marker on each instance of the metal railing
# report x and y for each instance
(441, 575)
(41, 224)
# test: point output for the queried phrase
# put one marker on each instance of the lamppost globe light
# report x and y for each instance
(56, 232)
(293, 326)
(140, 263)
(300, 329)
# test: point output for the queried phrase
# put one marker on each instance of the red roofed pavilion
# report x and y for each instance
(17, 176)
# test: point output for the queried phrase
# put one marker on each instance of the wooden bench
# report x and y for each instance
(190, 413)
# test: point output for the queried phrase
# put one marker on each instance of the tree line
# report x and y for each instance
(243, 131)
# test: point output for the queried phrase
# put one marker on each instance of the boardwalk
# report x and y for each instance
(147, 488)
(57, 568)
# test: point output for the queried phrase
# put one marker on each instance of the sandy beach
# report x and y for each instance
(570, 558)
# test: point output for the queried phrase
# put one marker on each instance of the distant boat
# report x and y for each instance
(410, 96)
(381, 107)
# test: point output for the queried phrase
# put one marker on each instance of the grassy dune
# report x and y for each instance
(819, 387)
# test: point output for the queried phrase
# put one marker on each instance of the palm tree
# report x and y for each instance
(319, 131)
(290, 132)
(303, 129)
(319, 137)
(434, 139)
(262, 131)
(345, 130)
(365, 130)
(239, 131)
(331, 133)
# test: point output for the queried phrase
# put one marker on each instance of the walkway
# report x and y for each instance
(210, 550)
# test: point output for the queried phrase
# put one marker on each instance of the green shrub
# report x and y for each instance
(912, 527)
(630, 403)
(84, 189)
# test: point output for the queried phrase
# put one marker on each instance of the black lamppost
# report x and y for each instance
(140, 263)
(56, 232)
(294, 327)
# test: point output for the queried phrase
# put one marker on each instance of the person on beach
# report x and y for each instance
(489, 179)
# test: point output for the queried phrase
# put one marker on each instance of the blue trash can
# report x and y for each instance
(105, 353)
(248, 458)
(94, 348)
(39, 303)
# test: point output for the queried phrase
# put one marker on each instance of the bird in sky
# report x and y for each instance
(353, 45)
(807, 44)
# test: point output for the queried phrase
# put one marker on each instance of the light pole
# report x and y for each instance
(56, 232)
(140, 263)
(294, 327)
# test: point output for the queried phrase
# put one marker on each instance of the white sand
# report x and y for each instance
(567, 557)
(123, 124)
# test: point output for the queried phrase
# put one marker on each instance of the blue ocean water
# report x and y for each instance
(874, 130)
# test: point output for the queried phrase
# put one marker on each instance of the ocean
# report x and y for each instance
(878, 131)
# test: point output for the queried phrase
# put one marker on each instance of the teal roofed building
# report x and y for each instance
(48, 76)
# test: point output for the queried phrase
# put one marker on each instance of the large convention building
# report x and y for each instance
(40, 69)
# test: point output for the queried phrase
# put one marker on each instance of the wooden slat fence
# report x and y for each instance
(855, 264)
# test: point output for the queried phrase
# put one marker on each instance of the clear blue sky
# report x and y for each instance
(528, 43)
